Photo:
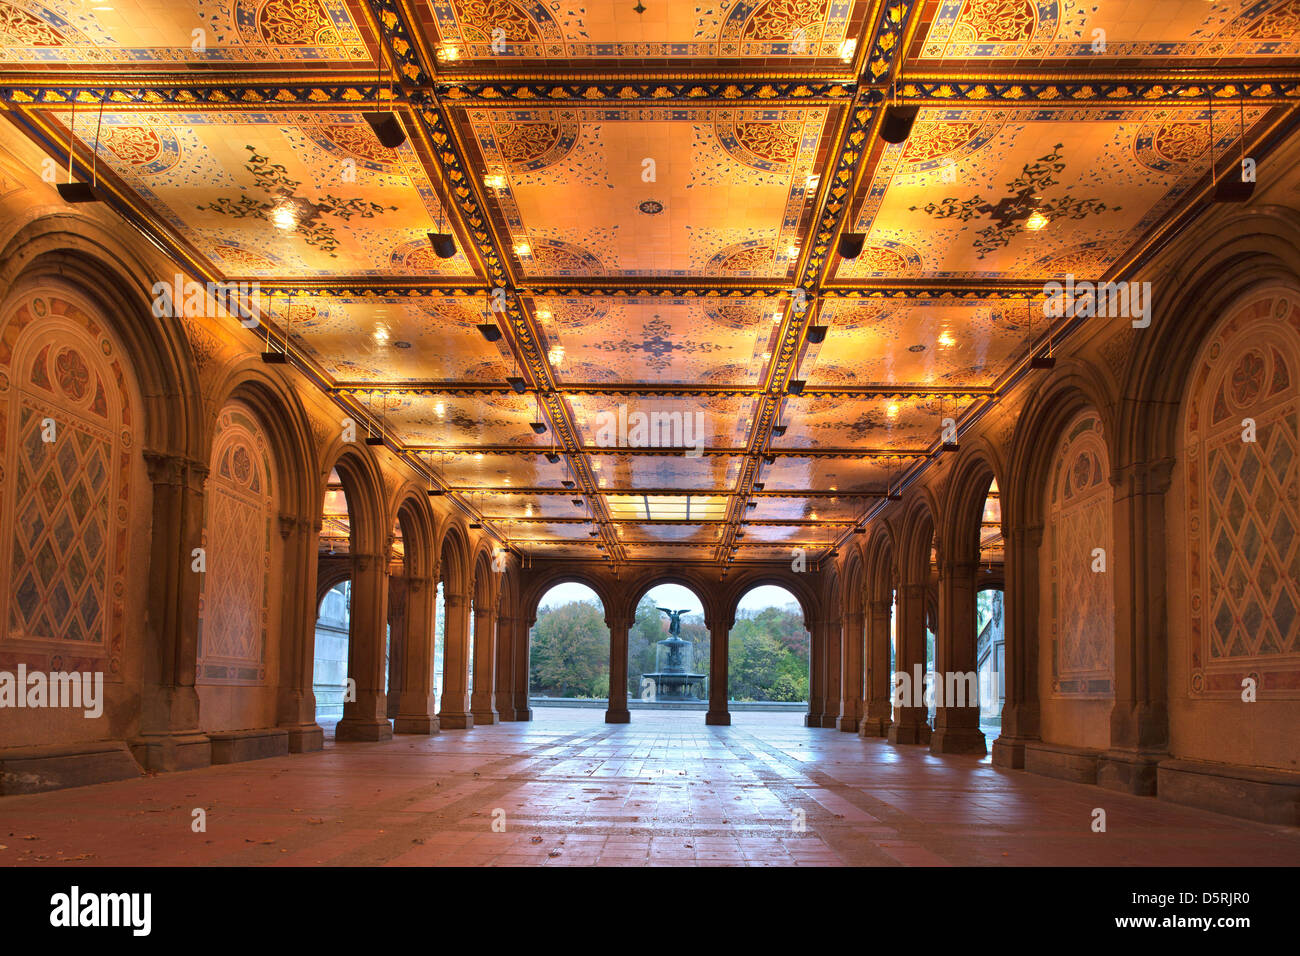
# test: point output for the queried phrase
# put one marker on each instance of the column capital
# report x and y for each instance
(453, 600)
(1142, 477)
(176, 470)
(880, 607)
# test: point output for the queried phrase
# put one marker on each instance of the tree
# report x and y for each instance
(768, 655)
(570, 652)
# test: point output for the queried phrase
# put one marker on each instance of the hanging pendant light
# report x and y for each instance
(72, 192)
(385, 124)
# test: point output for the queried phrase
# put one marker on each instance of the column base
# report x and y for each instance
(236, 746)
(421, 724)
(613, 716)
(721, 718)
(1129, 771)
(909, 733)
(449, 721)
(874, 727)
(304, 738)
(810, 720)
(1269, 796)
(53, 767)
(1009, 752)
(958, 740)
(167, 752)
(483, 718)
(363, 728)
(828, 720)
(848, 724)
(525, 713)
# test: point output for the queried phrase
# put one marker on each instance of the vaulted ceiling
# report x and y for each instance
(658, 189)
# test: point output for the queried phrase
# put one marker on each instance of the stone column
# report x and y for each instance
(1020, 710)
(831, 639)
(816, 674)
(522, 710)
(505, 679)
(719, 713)
(616, 711)
(416, 705)
(876, 721)
(295, 699)
(170, 737)
(1139, 720)
(957, 718)
(910, 725)
(366, 717)
(851, 674)
(483, 706)
(396, 640)
(455, 711)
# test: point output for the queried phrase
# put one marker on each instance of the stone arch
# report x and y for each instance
(1232, 554)
(879, 576)
(457, 576)
(75, 505)
(77, 252)
(747, 579)
(1252, 250)
(411, 613)
(531, 594)
(365, 717)
(706, 589)
(702, 585)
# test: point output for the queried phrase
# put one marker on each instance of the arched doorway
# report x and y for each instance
(329, 680)
(568, 655)
(667, 672)
(334, 606)
(769, 656)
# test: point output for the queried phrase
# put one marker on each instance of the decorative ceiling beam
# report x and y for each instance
(878, 454)
(671, 492)
(662, 289)
(889, 32)
(734, 91)
(648, 389)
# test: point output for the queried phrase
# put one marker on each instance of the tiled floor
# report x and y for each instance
(569, 790)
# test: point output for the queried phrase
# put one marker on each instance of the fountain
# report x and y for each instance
(672, 677)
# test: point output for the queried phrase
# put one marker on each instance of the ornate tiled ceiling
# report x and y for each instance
(657, 189)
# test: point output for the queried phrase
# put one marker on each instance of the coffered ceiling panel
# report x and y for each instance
(620, 472)
(1154, 30)
(658, 341)
(698, 533)
(662, 191)
(390, 340)
(804, 32)
(266, 193)
(1028, 192)
(798, 473)
(786, 533)
(128, 34)
(902, 423)
(920, 342)
(530, 506)
(652, 422)
(807, 509)
(421, 419)
(470, 470)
